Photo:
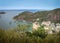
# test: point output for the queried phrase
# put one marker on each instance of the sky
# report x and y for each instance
(29, 4)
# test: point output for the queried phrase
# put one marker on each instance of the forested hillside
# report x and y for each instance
(52, 15)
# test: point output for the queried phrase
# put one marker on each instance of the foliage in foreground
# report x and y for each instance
(38, 36)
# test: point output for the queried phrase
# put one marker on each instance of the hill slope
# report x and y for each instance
(31, 17)
(53, 15)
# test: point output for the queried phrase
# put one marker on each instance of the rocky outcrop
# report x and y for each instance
(2, 12)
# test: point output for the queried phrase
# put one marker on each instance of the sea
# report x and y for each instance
(7, 21)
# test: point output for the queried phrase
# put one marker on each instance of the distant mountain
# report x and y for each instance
(52, 15)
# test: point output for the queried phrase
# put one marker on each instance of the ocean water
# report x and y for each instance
(6, 20)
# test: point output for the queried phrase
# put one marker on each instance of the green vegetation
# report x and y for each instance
(52, 15)
(21, 33)
(36, 36)
(29, 16)
(40, 32)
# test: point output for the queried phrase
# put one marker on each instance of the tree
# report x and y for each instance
(22, 28)
(40, 32)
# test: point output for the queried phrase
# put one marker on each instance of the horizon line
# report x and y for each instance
(29, 9)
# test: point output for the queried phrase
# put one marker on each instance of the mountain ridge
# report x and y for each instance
(42, 15)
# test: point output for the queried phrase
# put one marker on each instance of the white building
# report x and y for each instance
(57, 27)
(36, 25)
(47, 26)
(46, 23)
